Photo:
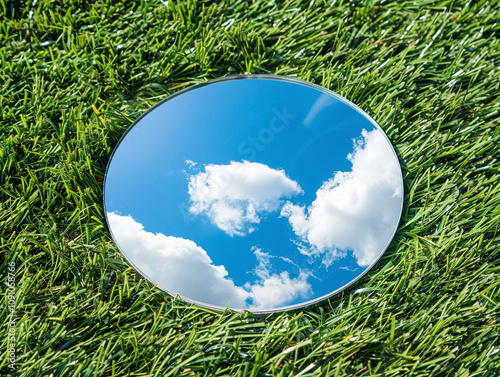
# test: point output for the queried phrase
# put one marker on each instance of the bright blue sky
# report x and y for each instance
(148, 175)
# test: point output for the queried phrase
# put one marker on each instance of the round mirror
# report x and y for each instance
(256, 193)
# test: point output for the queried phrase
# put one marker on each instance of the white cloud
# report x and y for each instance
(275, 290)
(233, 196)
(176, 264)
(182, 267)
(355, 210)
(191, 164)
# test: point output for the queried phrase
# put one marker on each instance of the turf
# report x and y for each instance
(426, 71)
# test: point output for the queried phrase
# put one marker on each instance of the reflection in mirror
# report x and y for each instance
(256, 192)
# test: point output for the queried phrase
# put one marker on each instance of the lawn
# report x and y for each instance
(75, 75)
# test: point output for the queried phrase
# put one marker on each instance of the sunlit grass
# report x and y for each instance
(426, 71)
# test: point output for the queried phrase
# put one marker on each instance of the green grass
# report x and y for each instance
(426, 71)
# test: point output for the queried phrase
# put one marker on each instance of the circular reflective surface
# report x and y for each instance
(253, 192)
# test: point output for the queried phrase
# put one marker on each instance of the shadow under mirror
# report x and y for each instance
(255, 193)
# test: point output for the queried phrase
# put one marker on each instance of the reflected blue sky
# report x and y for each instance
(285, 126)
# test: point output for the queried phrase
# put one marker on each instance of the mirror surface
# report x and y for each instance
(253, 192)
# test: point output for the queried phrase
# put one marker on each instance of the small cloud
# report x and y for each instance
(288, 260)
(234, 196)
(191, 164)
(331, 255)
(356, 210)
(348, 269)
(275, 290)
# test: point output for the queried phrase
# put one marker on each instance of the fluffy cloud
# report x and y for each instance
(176, 264)
(233, 196)
(182, 267)
(355, 210)
(275, 290)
